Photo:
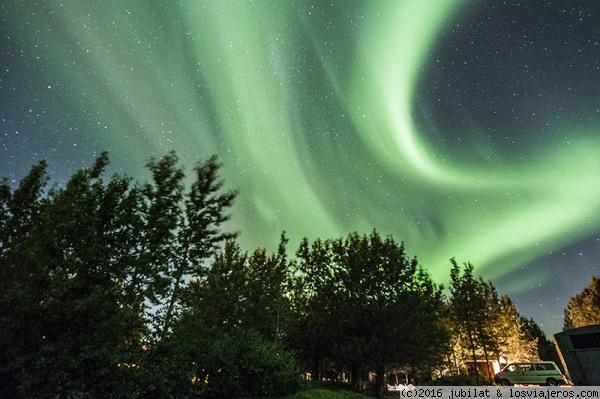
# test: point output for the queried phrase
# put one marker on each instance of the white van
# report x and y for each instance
(542, 373)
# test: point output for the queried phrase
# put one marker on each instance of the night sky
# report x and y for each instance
(467, 129)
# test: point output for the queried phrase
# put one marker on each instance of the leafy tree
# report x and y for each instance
(219, 298)
(228, 339)
(394, 305)
(199, 228)
(243, 291)
(584, 308)
(465, 304)
(488, 339)
(267, 285)
(197, 361)
(545, 348)
(187, 225)
(514, 333)
(485, 324)
(111, 288)
(365, 305)
(62, 275)
(313, 302)
(79, 265)
(21, 280)
(154, 221)
(473, 303)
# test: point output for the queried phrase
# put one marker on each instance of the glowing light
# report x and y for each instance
(312, 110)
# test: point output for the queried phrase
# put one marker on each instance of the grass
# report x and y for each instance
(325, 391)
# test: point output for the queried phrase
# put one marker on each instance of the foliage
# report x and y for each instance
(486, 325)
(584, 308)
(21, 280)
(63, 302)
(197, 361)
(514, 334)
(185, 226)
(243, 291)
(473, 310)
(79, 264)
(545, 348)
(364, 305)
(251, 366)
(227, 341)
(112, 288)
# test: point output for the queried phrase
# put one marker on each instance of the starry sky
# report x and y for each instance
(467, 129)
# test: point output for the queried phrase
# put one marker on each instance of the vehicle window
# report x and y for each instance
(511, 368)
(526, 367)
(544, 367)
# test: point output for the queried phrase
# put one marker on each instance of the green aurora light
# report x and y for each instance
(312, 111)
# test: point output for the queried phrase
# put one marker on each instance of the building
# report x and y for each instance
(579, 351)
(485, 368)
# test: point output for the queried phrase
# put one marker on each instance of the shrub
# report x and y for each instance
(245, 364)
(238, 364)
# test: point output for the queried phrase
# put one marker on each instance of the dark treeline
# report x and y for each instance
(112, 288)
(584, 308)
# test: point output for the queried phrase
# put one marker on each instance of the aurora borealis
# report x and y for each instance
(467, 129)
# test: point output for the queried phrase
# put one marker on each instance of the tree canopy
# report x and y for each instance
(487, 325)
(110, 287)
(92, 271)
(584, 308)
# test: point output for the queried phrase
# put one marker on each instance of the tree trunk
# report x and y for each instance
(171, 307)
(354, 375)
(379, 379)
(316, 368)
(487, 362)
(472, 343)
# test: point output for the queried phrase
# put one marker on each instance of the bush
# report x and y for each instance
(239, 364)
(245, 364)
